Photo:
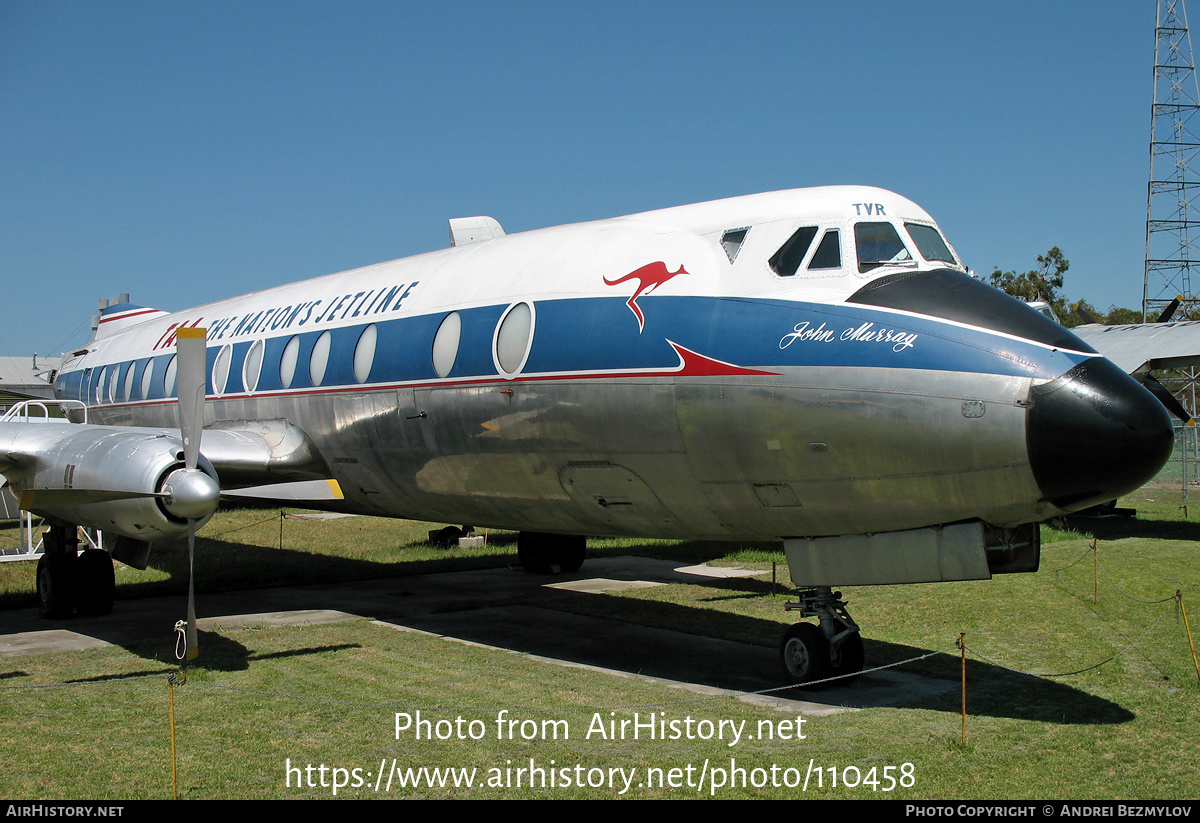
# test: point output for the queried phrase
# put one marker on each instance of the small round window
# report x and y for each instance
(252, 368)
(287, 363)
(128, 393)
(364, 353)
(514, 335)
(445, 343)
(169, 378)
(318, 361)
(220, 372)
(147, 376)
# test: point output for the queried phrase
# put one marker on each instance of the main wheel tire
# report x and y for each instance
(572, 549)
(848, 658)
(55, 584)
(550, 553)
(95, 583)
(805, 654)
(533, 552)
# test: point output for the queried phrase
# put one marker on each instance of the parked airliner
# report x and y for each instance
(813, 366)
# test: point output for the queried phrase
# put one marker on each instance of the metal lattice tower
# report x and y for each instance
(1171, 228)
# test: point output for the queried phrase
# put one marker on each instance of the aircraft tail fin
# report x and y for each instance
(119, 315)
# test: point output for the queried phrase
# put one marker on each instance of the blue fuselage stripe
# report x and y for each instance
(601, 334)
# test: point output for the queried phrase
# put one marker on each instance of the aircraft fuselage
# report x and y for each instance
(664, 374)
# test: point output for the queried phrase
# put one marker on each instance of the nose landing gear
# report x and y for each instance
(833, 648)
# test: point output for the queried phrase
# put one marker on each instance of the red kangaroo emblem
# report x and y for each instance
(650, 277)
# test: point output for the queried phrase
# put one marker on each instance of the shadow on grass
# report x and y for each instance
(687, 643)
(224, 654)
(223, 566)
(696, 645)
(1115, 528)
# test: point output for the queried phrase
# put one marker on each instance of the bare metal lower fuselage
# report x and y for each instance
(814, 451)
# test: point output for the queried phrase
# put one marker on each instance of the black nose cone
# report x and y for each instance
(1095, 434)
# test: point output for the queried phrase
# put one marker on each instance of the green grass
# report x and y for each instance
(329, 694)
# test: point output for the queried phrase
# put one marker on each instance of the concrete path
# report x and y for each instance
(500, 608)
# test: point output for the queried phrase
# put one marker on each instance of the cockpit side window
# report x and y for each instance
(791, 254)
(930, 243)
(732, 241)
(829, 254)
(879, 244)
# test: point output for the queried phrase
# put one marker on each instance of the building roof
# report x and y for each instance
(27, 376)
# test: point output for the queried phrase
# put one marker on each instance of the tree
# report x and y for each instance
(1120, 317)
(1046, 282)
(1043, 283)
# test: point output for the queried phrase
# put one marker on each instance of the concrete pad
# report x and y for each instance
(705, 570)
(302, 617)
(599, 585)
(764, 700)
(54, 640)
(496, 609)
(319, 516)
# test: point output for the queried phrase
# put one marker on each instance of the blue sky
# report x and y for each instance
(189, 151)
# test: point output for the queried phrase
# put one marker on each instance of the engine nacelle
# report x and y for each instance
(120, 481)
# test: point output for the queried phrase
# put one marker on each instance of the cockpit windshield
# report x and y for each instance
(930, 243)
(879, 244)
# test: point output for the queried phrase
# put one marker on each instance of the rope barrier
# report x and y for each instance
(1107, 660)
(1176, 598)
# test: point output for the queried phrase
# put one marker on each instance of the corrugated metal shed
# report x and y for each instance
(25, 377)
(1162, 345)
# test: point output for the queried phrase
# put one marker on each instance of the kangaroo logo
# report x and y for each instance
(649, 277)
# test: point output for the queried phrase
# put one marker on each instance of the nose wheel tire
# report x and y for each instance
(805, 654)
(849, 656)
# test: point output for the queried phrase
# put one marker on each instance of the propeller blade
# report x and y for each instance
(192, 640)
(1166, 398)
(190, 385)
(1169, 311)
(296, 490)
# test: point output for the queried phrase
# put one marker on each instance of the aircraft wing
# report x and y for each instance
(262, 452)
(1147, 346)
(109, 476)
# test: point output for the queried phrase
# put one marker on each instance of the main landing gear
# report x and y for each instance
(550, 553)
(832, 648)
(69, 581)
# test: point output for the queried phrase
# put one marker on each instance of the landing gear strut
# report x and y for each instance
(550, 553)
(831, 649)
(68, 581)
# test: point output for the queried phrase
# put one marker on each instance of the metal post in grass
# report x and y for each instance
(1191, 641)
(281, 529)
(1095, 573)
(962, 645)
